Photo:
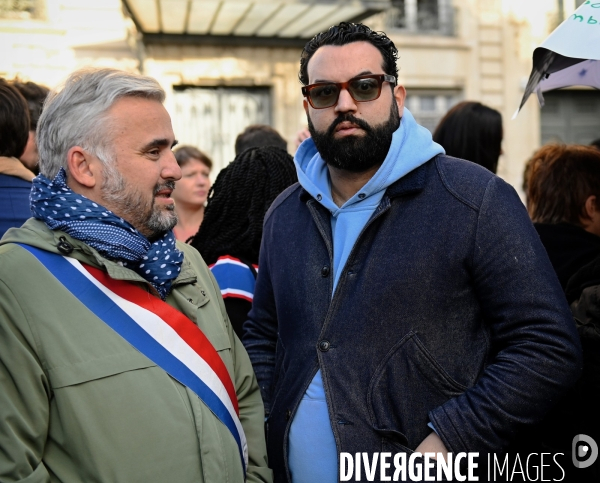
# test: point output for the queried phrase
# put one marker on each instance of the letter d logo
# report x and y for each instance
(585, 451)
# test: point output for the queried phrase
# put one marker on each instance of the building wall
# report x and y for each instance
(68, 35)
(202, 66)
(488, 60)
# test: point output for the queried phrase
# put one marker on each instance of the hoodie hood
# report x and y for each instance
(411, 146)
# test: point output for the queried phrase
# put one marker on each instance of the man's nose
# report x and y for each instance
(345, 102)
(170, 169)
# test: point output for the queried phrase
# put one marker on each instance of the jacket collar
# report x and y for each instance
(413, 182)
(36, 233)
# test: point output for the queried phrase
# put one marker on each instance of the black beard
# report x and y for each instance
(356, 154)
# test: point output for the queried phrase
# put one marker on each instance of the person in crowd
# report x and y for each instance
(191, 191)
(99, 371)
(258, 135)
(525, 179)
(563, 200)
(229, 239)
(472, 131)
(595, 143)
(572, 415)
(404, 301)
(15, 178)
(35, 95)
(573, 418)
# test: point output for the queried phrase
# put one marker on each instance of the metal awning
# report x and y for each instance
(248, 22)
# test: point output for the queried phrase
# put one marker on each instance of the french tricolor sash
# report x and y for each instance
(160, 332)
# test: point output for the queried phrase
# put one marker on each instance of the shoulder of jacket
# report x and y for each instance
(282, 198)
(14, 182)
(466, 181)
(192, 256)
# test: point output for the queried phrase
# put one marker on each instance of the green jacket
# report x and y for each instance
(79, 404)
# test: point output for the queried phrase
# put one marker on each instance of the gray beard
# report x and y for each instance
(129, 204)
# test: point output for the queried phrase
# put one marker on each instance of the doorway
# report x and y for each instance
(210, 118)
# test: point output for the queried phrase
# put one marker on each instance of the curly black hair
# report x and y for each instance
(346, 33)
(238, 202)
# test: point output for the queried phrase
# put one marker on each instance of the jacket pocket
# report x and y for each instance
(408, 384)
(90, 370)
(220, 341)
(393, 441)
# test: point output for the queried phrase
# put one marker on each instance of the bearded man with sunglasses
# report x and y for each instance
(404, 301)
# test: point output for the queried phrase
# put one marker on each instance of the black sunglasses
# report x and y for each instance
(363, 88)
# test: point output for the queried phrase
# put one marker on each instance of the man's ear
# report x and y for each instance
(591, 208)
(400, 96)
(82, 167)
(590, 219)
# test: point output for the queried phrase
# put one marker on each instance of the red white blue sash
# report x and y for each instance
(159, 331)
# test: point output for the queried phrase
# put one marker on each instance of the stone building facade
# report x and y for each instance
(450, 50)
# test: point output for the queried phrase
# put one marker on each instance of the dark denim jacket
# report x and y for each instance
(447, 311)
(14, 202)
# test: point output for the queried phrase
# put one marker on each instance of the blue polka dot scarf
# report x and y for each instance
(54, 203)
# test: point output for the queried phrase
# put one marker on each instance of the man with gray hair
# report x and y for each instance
(117, 360)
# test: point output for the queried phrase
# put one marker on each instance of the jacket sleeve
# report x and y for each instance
(24, 397)
(536, 353)
(260, 330)
(252, 415)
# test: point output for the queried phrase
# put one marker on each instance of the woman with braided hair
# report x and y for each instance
(230, 235)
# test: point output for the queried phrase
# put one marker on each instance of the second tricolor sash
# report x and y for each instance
(160, 332)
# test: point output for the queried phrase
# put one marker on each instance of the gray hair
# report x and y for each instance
(75, 113)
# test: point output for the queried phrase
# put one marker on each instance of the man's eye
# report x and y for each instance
(324, 91)
(366, 85)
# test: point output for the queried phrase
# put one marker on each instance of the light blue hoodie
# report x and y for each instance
(312, 450)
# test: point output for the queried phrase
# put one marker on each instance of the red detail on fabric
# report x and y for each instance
(236, 296)
(227, 257)
(186, 329)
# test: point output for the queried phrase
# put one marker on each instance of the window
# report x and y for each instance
(570, 116)
(21, 9)
(210, 118)
(422, 16)
(427, 103)
(428, 107)
(428, 15)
